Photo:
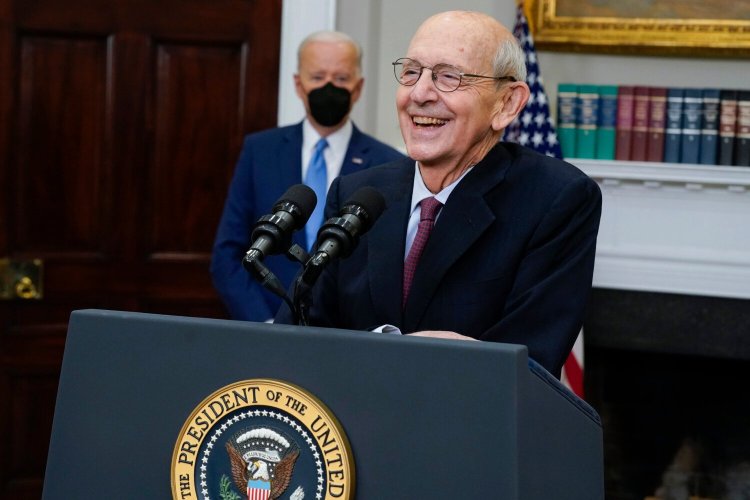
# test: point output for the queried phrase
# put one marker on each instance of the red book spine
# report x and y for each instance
(640, 123)
(624, 130)
(656, 123)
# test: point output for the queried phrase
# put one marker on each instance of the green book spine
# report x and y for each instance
(586, 125)
(606, 132)
(567, 95)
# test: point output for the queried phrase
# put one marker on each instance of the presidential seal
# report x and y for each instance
(262, 439)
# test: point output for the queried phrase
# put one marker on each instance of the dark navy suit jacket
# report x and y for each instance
(270, 162)
(510, 258)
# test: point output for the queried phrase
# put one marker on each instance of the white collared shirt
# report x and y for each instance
(420, 192)
(338, 143)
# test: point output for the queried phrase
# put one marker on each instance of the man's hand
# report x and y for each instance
(441, 334)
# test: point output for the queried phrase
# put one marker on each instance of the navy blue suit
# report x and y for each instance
(510, 258)
(270, 162)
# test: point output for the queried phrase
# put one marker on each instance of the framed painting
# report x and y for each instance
(658, 27)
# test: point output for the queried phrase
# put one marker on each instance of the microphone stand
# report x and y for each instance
(302, 298)
(252, 264)
(305, 281)
(302, 301)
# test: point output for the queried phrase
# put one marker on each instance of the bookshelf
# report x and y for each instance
(674, 228)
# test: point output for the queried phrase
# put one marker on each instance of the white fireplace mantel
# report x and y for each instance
(673, 228)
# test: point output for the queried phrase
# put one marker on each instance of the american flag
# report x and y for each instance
(535, 129)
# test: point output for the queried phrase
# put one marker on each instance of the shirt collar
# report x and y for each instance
(420, 192)
(338, 142)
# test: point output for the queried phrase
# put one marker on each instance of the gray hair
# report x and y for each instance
(331, 37)
(510, 60)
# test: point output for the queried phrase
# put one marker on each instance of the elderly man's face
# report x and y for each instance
(323, 62)
(450, 128)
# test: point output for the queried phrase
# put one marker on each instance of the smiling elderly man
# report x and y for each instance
(480, 240)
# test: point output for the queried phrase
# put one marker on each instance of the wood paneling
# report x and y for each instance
(60, 168)
(120, 122)
(197, 116)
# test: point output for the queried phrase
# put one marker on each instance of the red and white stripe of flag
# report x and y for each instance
(258, 494)
(572, 372)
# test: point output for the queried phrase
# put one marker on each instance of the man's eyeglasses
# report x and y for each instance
(446, 78)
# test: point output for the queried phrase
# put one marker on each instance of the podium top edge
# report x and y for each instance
(517, 349)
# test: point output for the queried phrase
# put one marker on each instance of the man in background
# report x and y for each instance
(480, 239)
(324, 145)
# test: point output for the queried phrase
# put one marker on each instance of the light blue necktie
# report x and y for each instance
(317, 179)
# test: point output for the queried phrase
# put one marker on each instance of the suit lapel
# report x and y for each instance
(357, 157)
(289, 167)
(461, 222)
(386, 244)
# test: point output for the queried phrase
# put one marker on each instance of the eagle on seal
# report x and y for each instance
(244, 472)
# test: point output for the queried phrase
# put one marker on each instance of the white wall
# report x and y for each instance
(299, 18)
(384, 28)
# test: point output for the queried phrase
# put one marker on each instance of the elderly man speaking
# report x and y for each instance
(480, 239)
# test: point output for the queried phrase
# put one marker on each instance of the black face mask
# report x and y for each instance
(329, 104)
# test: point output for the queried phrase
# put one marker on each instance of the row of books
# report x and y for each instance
(644, 123)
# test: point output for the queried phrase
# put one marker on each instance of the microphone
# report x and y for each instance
(339, 236)
(272, 234)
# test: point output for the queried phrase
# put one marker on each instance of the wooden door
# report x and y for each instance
(120, 122)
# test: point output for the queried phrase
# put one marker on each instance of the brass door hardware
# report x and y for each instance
(21, 279)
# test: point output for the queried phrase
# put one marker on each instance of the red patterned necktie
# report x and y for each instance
(429, 209)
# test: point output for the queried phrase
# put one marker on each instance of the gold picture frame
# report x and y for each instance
(676, 27)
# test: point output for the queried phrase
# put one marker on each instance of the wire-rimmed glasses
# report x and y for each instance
(445, 77)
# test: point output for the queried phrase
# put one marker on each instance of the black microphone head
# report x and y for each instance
(370, 201)
(303, 198)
